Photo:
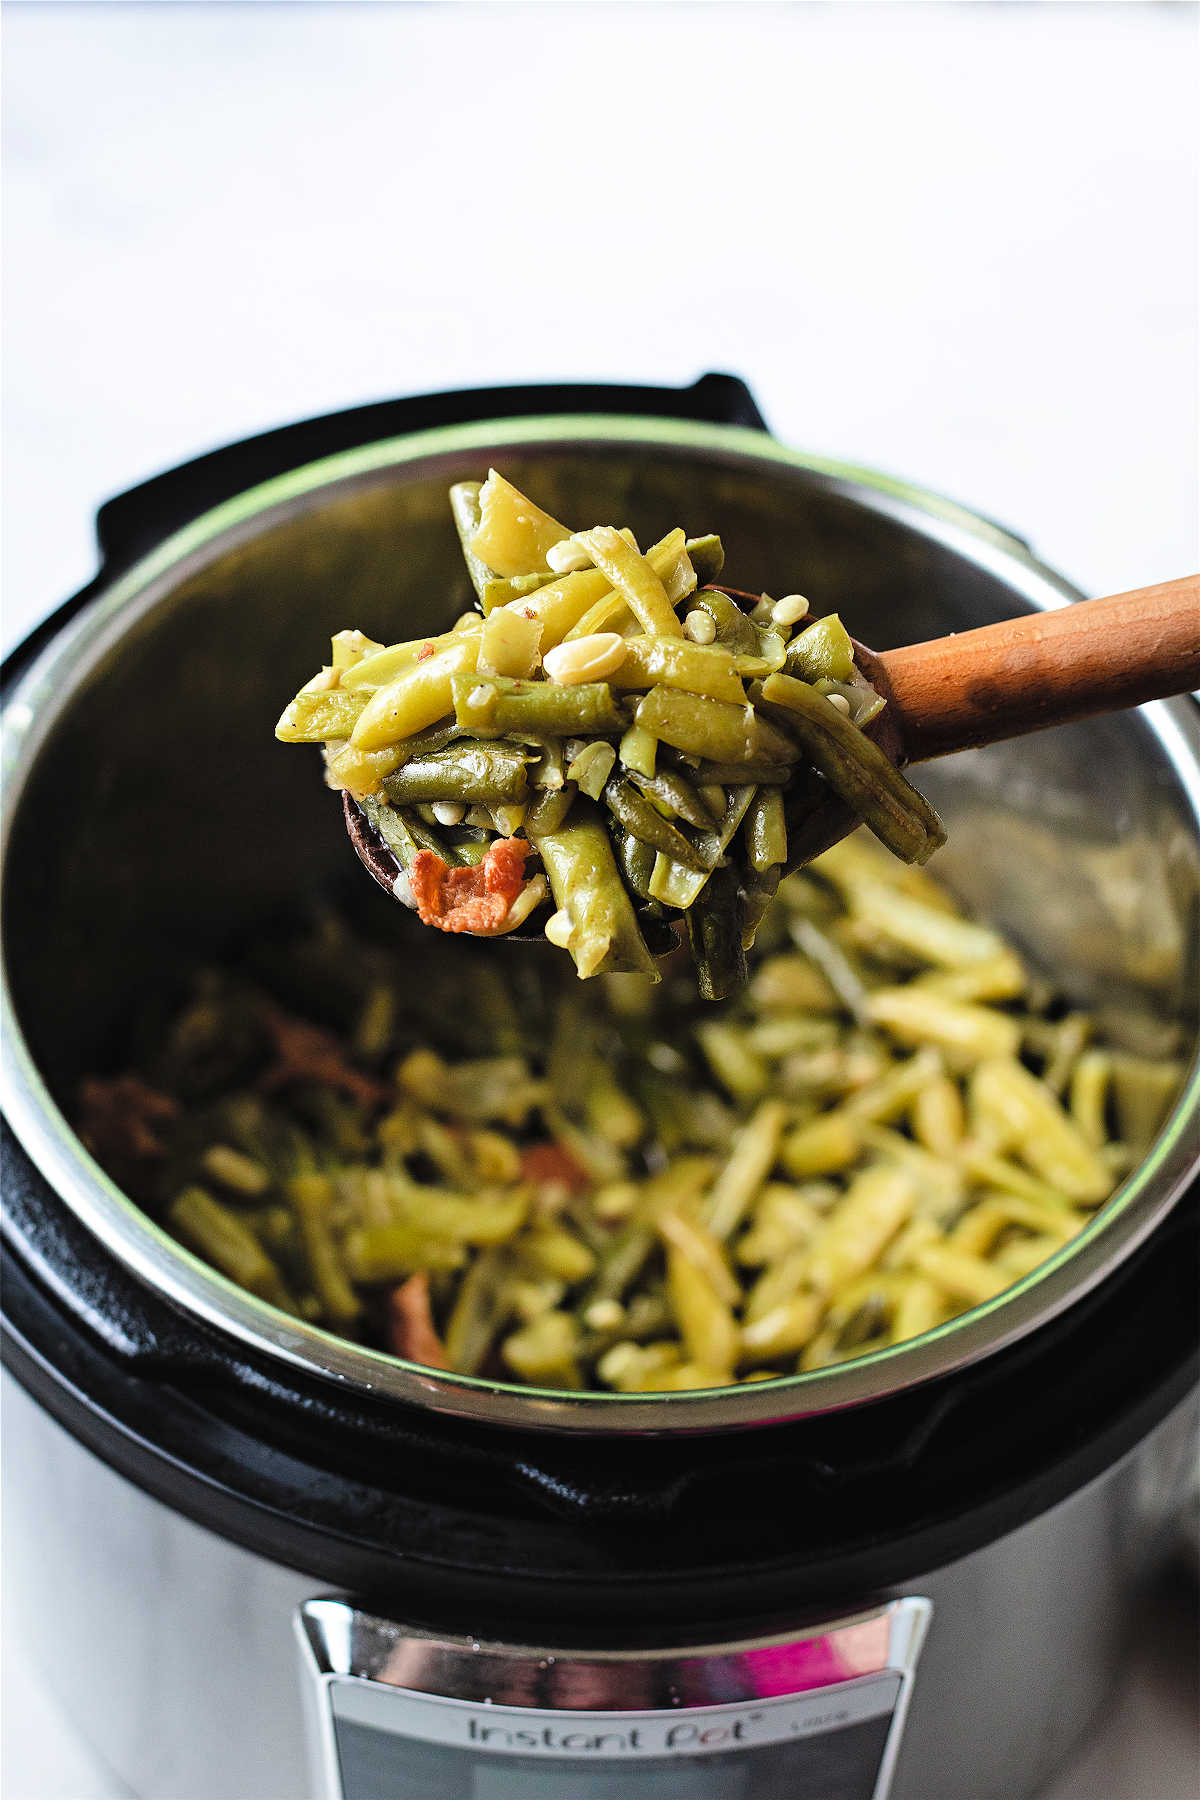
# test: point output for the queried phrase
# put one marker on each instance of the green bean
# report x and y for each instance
(713, 728)
(707, 556)
(502, 590)
(638, 750)
(310, 1197)
(734, 629)
(766, 832)
(718, 774)
(494, 704)
(647, 823)
(758, 890)
(591, 767)
(479, 1311)
(706, 669)
(858, 770)
(823, 649)
(222, 1237)
(464, 505)
(549, 771)
(393, 829)
(578, 860)
(634, 578)
(715, 923)
(635, 859)
(484, 772)
(674, 884)
(671, 789)
(548, 810)
(316, 715)
(751, 1159)
(390, 1252)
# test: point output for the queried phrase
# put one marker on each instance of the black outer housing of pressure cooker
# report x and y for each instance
(479, 1521)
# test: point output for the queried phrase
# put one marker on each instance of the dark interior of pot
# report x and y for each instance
(162, 818)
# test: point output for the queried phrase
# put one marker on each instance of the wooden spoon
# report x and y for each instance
(979, 687)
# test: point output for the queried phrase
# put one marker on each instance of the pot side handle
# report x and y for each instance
(134, 522)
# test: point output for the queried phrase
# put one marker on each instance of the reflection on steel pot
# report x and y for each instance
(910, 1578)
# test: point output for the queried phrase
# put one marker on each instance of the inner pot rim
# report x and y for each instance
(191, 1285)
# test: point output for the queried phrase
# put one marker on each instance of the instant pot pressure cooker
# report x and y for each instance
(257, 1562)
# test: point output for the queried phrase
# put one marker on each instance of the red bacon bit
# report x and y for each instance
(471, 899)
(425, 652)
(410, 1328)
(550, 1162)
(120, 1119)
(304, 1052)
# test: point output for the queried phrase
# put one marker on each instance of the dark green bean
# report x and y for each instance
(638, 816)
(487, 773)
(392, 828)
(858, 769)
(548, 810)
(675, 791)
(734, 629)
(706, 774)
(494, 704)
(714, 923)
(707, 556)
(758, 890)
(635, 860)
(713, 728)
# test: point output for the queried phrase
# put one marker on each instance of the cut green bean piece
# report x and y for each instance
(668, 788)
(502, 590)
(706, 669)
(391, 827)
(635, 859)
(766, 831)
(674, 884)
(487, 773)
(224, 1240)
(464, 506)
(316, 715)
(734, 629)
(495, 704)
(707, 556)
(758, 891)
(548, 810)
(822, 650)
(634, 578)
(713, 728)
(591, 767)
(638, 750)
(715, 924)
(638, 816)
(579, 863)
(858, 770)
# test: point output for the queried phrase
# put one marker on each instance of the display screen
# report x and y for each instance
(810, 1755)
(841, 1765)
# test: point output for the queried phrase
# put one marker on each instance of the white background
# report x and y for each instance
(957, 241)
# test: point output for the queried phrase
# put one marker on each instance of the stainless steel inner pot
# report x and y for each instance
(149, 814)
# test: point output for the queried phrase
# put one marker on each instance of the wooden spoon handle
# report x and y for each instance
(1043, 669)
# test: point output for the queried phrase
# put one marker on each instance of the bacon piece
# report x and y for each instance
(120, 1118)
(551, 1162)
(470, 899)
(425, 652)
(304, 1052)
(411, 1330)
